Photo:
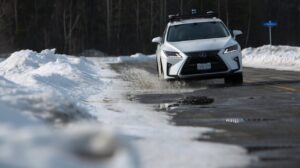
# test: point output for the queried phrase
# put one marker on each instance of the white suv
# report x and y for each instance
(199, 46)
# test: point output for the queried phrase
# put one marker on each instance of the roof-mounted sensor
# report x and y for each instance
(193, 15)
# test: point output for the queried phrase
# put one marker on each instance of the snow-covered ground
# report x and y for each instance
(61, 111)
(133, 58)
(273, 57)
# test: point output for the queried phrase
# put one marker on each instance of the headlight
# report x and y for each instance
(231, 49)
(172, 54)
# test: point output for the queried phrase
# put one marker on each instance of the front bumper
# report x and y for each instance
(208, 76)
(221, 66)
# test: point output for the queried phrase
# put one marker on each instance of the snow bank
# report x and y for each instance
(45, 85)
(272, 57)
(133, 58)
(76, 146)
(45, 120)
(50, 106)
(69, 93)
(52, 72)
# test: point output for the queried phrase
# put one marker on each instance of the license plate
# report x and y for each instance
(206, 66)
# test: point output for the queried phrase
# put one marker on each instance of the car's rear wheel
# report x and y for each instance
(235, 79)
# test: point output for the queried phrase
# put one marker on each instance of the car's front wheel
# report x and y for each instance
(160, 71)
(235, 79)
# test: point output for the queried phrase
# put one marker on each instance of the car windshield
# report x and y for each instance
(197, 31)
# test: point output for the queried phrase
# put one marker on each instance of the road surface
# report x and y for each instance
(262, 116)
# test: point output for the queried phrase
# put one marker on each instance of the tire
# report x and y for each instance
(235, 80)
(160, 70)
(157, 67)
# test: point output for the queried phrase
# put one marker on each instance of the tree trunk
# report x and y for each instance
(227, 13)
(65, 29)
(70, 22)
(151, 18)
(119, 22)
(201, 7)
(165, 11)
(16, 16)
(161, 11)
(181, 7)
(70, 27)
(108, 16)
(137, 21)
(249, 23)
(219, 8)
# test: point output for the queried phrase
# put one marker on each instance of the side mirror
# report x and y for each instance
(236, 33)
(157, 40)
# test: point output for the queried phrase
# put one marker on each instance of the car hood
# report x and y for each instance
(202, 45)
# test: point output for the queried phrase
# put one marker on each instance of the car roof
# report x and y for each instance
(194, 20)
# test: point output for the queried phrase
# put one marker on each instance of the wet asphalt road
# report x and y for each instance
(262, 116)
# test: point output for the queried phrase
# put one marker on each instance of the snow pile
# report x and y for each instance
(136, 58)
(272, 57)
(49, 106)
(45, 86)
(69, 93)
(133, 58)
(76, 146)
(45, 120)
(52, 71)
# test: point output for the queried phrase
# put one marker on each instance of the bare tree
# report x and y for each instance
(75, 25)
(219, 8)
(16, 15)
(151, 18)
(137, 21)
(70, 21)
(181, 7)
(249, 23)
(227, 12)
(119, 20)
(108, 22)
(165, 11)
(2, 8)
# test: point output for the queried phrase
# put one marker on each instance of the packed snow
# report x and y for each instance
(138, 57)
(61, 111)
(272, 57)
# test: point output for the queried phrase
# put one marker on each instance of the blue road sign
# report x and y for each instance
(270, 24)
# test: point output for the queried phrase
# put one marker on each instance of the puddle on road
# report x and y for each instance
(195, 100)
(254, 149)
(210, 121)
(267, 154)
(243, 120)
(187, 100)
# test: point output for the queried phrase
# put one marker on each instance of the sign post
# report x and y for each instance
(270, 24)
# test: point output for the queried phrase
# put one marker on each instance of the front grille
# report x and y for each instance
(194, 58)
